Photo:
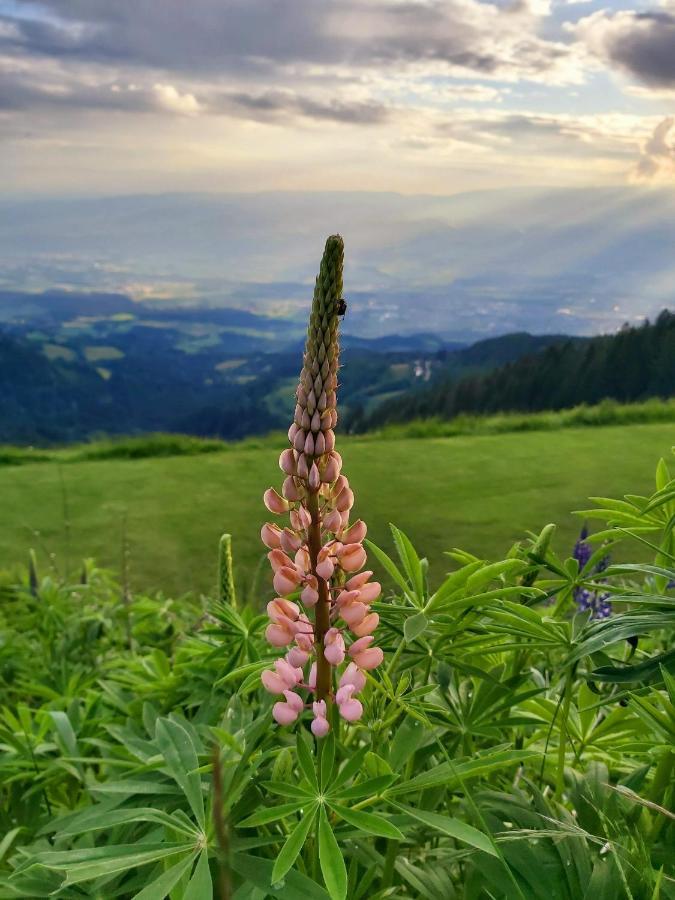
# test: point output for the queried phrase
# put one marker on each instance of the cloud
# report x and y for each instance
(172, 100)
(658, 153)
(261, 36)
(640, 43)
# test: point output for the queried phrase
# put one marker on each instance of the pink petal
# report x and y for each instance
(367, 626)
(297, 657)
(274, 502)
(357, 581)
(370, 592)
(278, 636)
(356, 533)
(272, 682)
(352, 557)
(351, 710)
(352, 675)
(325, 569)
(270, 535)
(353, 613)
(294, 701)
(287, 462)
(369, 659)
(360, 645)
(284, 714)
(286, 580)
(320, 727)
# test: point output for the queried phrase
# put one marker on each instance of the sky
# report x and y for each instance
(414, 96)
(493, 166)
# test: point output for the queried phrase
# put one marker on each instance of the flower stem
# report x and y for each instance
(322, 612)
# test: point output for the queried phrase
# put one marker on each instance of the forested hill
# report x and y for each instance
(633, 364)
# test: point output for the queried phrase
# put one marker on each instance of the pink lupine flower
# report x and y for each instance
(286, 580)
(282, 678)
(334, 647)
(357, 581)
(370, 591)
(318, 555)
(274, 502)
(288, 462)
(352, 557)
(278, 559)
(354, 676)
(297, 657)
(354, 613)
(320, 726)
(288, 712)
(367, 625)
(349, 707)
(355, 534)
(271, 535)
(291, 542)
(310, 593)
(332, 521)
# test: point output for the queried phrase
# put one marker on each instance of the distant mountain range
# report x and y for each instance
(74, 365)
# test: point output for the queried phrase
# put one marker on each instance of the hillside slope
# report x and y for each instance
(632, 365)
(478, 493)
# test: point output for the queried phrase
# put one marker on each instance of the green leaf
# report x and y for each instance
(258, 871)
(164, 884)
(265, 816)
(306, 759)
(200, 886)
(331, 859)
(390, 567)
(642, 672)
(409, 560)
(414, 626)
(369, 822)
(95, 862)
(454, 828)
(452, 773)
(365, 788)
(94, 819)
(293, 845)
(179, 752)
(132, 786)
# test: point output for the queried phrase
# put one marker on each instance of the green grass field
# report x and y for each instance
(479, 493)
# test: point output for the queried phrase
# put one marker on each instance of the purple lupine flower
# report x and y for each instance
(596, 602)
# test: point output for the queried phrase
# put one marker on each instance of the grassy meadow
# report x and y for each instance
(478, 492)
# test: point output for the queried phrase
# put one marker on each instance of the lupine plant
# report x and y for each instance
(504, 745)
(317, 560)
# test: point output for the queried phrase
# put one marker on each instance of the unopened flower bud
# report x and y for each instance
(309, 444)
(329, 437)
(303, 470)
(319, 444)
(367, 625)
(299, 440)
(314, 478)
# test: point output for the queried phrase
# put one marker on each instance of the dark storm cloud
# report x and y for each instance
(641, 43)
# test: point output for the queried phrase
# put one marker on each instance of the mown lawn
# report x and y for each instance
(479, 493)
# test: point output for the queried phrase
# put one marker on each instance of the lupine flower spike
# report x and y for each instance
(322, 612)
(597, 602)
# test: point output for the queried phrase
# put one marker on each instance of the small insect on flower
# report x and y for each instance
(317, 561)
